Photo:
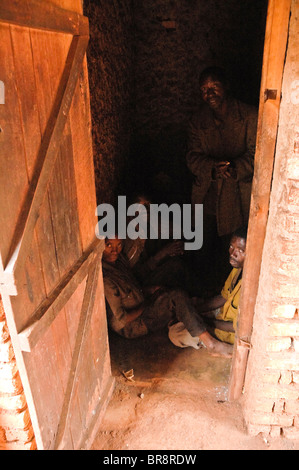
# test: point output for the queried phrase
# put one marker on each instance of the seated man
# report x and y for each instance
(133, 313)
(156, 262)
(223, 309)
(164, 266)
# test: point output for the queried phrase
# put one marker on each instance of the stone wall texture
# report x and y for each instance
(174, 41)
(110, 78)
(145, 57)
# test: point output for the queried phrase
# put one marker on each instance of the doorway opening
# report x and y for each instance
(143, 76)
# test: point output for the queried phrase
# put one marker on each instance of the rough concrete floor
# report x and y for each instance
(177, 400)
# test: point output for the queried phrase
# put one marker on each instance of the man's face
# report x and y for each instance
(113, 247)
(213, 92)
(237, 252)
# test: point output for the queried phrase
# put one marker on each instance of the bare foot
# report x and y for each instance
(221, 349)
(215, 347)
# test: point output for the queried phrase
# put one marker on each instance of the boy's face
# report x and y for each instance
(113, 247)
(237, 251)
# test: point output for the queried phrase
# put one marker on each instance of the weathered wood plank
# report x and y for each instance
(89, 434)
(62, 184)
(63, 202)
(13, 189)
(80, 122)
(43, 15)
(30, 280)
(50, 145)
(46, 45)
(51, 307)
(45, 386)
(96, 378)
(81, 337)
(73, 5)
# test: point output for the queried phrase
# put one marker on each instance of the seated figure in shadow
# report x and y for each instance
(133, 312)
(221, 311)
(156, 261)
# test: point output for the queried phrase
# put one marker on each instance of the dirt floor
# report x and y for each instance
(176, 400)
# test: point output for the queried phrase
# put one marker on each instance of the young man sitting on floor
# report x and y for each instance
(132, 312)
(222, 310)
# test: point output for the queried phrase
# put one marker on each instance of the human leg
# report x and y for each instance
(185, 312)
(215, 347)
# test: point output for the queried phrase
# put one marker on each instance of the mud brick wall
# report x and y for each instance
(272, 382)
(174, 41)
(110, 78)
(16, 432)
(144, 59)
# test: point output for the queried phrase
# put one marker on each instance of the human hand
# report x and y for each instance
(150, 290)
(222, 170)
(174, 248)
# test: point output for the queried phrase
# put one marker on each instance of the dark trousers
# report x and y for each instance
(210, 265)
(169, 305)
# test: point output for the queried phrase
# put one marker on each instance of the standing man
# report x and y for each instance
(222, 138)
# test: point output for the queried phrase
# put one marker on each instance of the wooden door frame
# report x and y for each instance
(275, 46)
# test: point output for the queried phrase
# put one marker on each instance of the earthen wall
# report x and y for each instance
(174, 41)
(144, 61)
(110, 56)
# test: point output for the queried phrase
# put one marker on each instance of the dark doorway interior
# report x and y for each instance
(169, 57)
(144, 61)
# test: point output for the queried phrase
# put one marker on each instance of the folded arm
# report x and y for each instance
(121, 315)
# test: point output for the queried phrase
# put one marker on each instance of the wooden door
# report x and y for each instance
(50, 259)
